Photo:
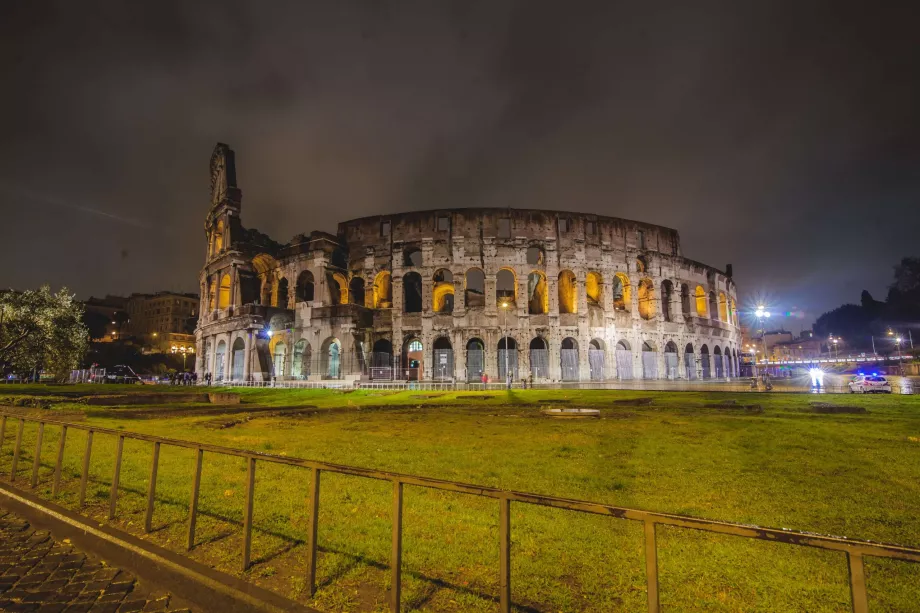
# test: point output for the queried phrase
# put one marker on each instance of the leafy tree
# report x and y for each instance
(39, 329)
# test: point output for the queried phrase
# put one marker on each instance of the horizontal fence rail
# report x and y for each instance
(854, 550)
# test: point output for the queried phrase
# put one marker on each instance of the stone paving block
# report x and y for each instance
(40, 574)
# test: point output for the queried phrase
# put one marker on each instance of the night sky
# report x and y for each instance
(781, 137)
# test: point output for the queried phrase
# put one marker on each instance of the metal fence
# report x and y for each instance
(855, 551)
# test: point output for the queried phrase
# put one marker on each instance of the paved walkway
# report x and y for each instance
(40, 574)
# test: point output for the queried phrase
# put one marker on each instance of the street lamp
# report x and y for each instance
(185, 351)
(762, 314)
(505, 306)
(897, 342)
(835, 340)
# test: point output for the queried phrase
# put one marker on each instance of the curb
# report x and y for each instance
(204, 587)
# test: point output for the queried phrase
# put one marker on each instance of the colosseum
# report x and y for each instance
(458, 295)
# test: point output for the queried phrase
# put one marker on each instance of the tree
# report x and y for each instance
(41, 330)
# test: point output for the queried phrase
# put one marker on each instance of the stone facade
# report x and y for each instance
(455, 294)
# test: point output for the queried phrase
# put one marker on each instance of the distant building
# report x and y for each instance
(161, 320)
(112, 311)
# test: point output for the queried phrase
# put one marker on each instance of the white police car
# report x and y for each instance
(869, 384)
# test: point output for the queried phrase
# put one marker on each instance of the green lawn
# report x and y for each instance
(855, 475)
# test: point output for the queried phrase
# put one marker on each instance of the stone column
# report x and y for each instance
(228, 352)
(247, 352)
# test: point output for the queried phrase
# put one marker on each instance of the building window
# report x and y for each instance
(384, 228)
(641, 236)
(443, 224)
(504, 228)
(563, 225)
(589, 228)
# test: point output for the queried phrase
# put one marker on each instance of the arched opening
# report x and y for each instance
(338, 288)
(442, 296)
(641, 264)
(238, 359)
(649, 360)
(279, 358)
(734, 312)
(670, 360)
(713, 306)
(382, 365)
(700, 296)
(597, 359)
(568, 295)
(684, 299)
(442, 359)
(356, 291)
(705, 367)
(300, 364)
(383, 290)
(727, 361)
(667, 292)
(507, 358)
(412, 293)
(536, 256)
(505, 287)
(305, 286)
(723, 307)
(537, 294)
(646, 299)
(568, 359)
(219, 238)
(719, 363)
(475, 359)
(475, 288)
(220, 361)
(414, 360)
(624, 360)
(539, 358)
(223, 300)
(621, 292)
(281, 296)
(689, 362)
(212, 294)
(594, 289)
(331, 355)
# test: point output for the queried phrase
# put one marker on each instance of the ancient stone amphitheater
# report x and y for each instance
(456, 295)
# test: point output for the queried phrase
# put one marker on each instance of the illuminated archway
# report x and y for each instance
(568, 295)
(223, 299)
(621, 292)
(219, 237)
(383, 290)
(700, 296)
(537, 293)
(594, 289)
(442, 297)
(646, 299)
(723, 307)
(338, 288)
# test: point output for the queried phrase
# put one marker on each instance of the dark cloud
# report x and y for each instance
(778, 136)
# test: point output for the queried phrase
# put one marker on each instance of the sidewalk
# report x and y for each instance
(40, 574)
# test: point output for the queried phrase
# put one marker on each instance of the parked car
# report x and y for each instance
(121, 374)
(869, 384)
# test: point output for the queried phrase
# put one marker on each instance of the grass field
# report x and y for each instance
(855, 475)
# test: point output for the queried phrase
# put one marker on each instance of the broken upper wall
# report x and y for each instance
(377, 236)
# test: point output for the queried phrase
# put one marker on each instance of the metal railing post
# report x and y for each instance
(504, 536)
(84, 477)
(2, 430)
(152, 486)
(247, 513)
(651, 567)
(312, 531)
(858, 583)
(22, 424)
(37, 460)
(59, 463)
(193, 503)
(396, 551)
(113, 495)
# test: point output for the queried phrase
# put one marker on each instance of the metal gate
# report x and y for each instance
(507, 357)
(596, 364)
(568, 358)
(475, 364)
(443, 365)
(238, 364)
(649, 365)
(670, 365)
(382, 366)
(719, 364)
(624, 364)
(539, 363)
(704, 362)
(689, 366)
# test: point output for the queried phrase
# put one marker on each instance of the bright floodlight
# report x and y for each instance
(766, 314)
(817, 377)
(897, 340)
